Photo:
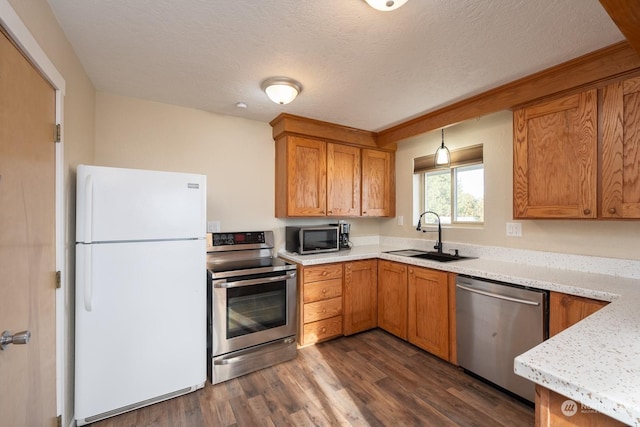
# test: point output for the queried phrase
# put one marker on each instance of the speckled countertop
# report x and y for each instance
(595, 362)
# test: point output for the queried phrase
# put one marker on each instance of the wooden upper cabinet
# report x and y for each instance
(343, 180)
(555, 158)
(620, 154)
(378, 183)
(301, 177)
(324, 169)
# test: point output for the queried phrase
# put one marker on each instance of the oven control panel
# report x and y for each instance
(233, 239)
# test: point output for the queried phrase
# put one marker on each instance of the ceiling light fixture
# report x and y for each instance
(385, 5)
(443, 156)
(281, 90)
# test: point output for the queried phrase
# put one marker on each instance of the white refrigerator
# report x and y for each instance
(140, 325)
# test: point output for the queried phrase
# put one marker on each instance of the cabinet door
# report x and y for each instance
(428, 311)
(392, 298)
(343, 180)
(554, 159)
(620, 192)
(360, 296)
(567, 310)
(306, 177)
(378, 183)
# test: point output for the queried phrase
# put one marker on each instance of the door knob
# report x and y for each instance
(17, 338)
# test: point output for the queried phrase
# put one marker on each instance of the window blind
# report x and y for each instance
(460, 157)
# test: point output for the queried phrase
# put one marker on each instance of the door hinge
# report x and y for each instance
(58, 133)
(59, 421)
(58, 280)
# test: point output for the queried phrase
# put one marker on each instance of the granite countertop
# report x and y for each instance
(595, 362)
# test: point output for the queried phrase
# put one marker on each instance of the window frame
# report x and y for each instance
(453, 170)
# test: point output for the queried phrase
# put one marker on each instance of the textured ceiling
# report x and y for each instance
(359, 67)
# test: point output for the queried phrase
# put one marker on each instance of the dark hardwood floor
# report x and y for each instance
(370, 379)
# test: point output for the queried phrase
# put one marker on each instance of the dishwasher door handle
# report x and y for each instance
(498, 296)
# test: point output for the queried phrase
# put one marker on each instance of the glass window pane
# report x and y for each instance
(469, 194)
(437, 196)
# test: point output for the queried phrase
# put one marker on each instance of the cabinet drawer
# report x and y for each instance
(325, 289)
(318, 331)
(322, 272)
(322, 309)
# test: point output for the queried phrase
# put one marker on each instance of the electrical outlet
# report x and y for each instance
(514, 229)
(400, 220)
(213, 227)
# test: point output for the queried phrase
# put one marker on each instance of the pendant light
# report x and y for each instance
(281, 90)
(385, 5)
(443, 156)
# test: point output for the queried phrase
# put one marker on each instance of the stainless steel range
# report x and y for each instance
(251, 312)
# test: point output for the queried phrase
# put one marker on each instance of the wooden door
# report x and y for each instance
(343, 180)
(567, 310)
(392, 297)
(378, 183)
(360, 296)
(27, 241)
(554, 159)
(620, 154)
(428, 311)
(307, 177)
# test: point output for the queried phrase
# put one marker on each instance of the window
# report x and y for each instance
(455, 194)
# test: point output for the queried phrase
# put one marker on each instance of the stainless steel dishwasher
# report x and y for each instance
(495, 322)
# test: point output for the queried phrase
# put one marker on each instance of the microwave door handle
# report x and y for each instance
(222, 283)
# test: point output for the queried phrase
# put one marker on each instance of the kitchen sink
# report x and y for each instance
(433, 256)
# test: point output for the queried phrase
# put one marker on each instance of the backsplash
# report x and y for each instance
(588, 264)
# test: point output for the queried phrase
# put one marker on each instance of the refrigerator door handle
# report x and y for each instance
(88, 284)
(88, 208)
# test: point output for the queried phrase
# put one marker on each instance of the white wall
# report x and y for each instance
(615, 239)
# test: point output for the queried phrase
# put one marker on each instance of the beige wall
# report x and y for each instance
(237, 155)
(616, 239)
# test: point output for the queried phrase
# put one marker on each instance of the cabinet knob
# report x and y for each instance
(612, 210)
(324, 310)
(324, 290)
(323, 330)
(330, 212)
(587, 211)
(364, 212)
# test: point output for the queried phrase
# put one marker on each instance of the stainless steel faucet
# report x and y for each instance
(438, 245)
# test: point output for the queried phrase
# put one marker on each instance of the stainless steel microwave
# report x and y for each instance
(312, 240)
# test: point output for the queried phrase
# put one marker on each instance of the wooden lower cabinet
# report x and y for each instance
(360, 296)
(550, 406)
(428, 311)
(392, 297)
(320, 302)
(566, 310)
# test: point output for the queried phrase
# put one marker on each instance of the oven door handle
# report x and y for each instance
(222, 283)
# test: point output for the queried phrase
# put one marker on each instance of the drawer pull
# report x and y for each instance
(324, 290)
